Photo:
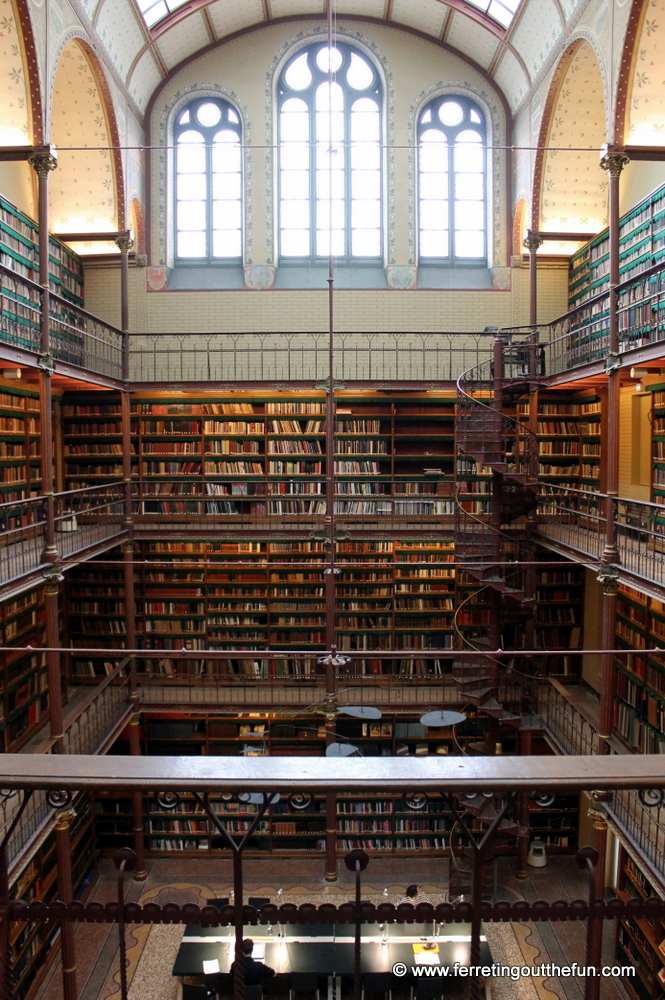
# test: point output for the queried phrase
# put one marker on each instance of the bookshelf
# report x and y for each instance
(640, 942)
(92, 439)
(558, 615)
(238, 594)
(640, 680)
(641, 245)
(94, 617)
(24, 697)
(31, 944)
(20, 461)
(569, 439)
(241, 455)
(658, 441)
(21, 303)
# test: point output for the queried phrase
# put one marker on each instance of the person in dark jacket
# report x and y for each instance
(256, 973)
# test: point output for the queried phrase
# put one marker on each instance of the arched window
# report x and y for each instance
(452, 182)
(330, 175)
(208, 175)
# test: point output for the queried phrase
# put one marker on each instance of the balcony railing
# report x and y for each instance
(292, 357)
(77, 337)
(577, 519)
(254, 506)
(87, 728)
(578, 736)
(82, 518)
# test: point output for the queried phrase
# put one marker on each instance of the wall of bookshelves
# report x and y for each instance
(94, 616)
(569, 439)
(92, 439)
(640, 680)
(245, 455)
(19, 252)
(31, 943)
(640, 942)
(641, 242)
(264, 594)
(24, 697)
(20, 462)
(658, 441)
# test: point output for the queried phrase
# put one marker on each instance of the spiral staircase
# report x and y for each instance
(494, 549)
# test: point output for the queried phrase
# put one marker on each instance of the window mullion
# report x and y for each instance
(451, 198)
(348, 177)
(208, 182)
(313, 171)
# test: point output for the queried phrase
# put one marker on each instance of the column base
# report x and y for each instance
(331, 876)
(140, 876)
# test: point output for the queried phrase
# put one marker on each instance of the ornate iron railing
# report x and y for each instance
(77, 337)
(82, 518)
(577, 520)
(424, 356)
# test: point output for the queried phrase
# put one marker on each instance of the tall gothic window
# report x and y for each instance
(330, 176)
(208, 182)
(452, 182)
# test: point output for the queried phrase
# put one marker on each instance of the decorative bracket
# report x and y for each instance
(46, 363)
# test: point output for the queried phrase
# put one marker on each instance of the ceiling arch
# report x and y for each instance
(512, 57)
(642, 85)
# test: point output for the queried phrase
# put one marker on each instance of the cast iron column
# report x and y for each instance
(532, 243)
(53, 674)
(614, 164)
(43, 163)
(63, 848)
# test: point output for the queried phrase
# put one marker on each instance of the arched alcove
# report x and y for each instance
(569, 185)
(84, 188)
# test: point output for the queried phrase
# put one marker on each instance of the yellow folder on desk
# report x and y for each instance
(426, 953)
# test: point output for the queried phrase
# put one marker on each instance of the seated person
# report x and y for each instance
(414, 894)
(256, 973)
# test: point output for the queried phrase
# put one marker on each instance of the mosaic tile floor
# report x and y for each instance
(151, 951)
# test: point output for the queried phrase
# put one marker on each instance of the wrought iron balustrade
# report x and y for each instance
(77, 337)
(423, 356)
(577, 519)
(82, 518)
(576, 735)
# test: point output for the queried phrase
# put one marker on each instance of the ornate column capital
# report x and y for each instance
(64, 818)
(125, 244)
(532, 243)
(43, 161)
(614, 163)
(608, 576)
(53, 577)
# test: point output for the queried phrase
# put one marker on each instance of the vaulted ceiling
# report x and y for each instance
(512, 57)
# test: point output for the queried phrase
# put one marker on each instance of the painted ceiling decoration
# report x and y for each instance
(510, 39)
(82, 189)
(15, 106)
(574, 188)
(645, 120)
